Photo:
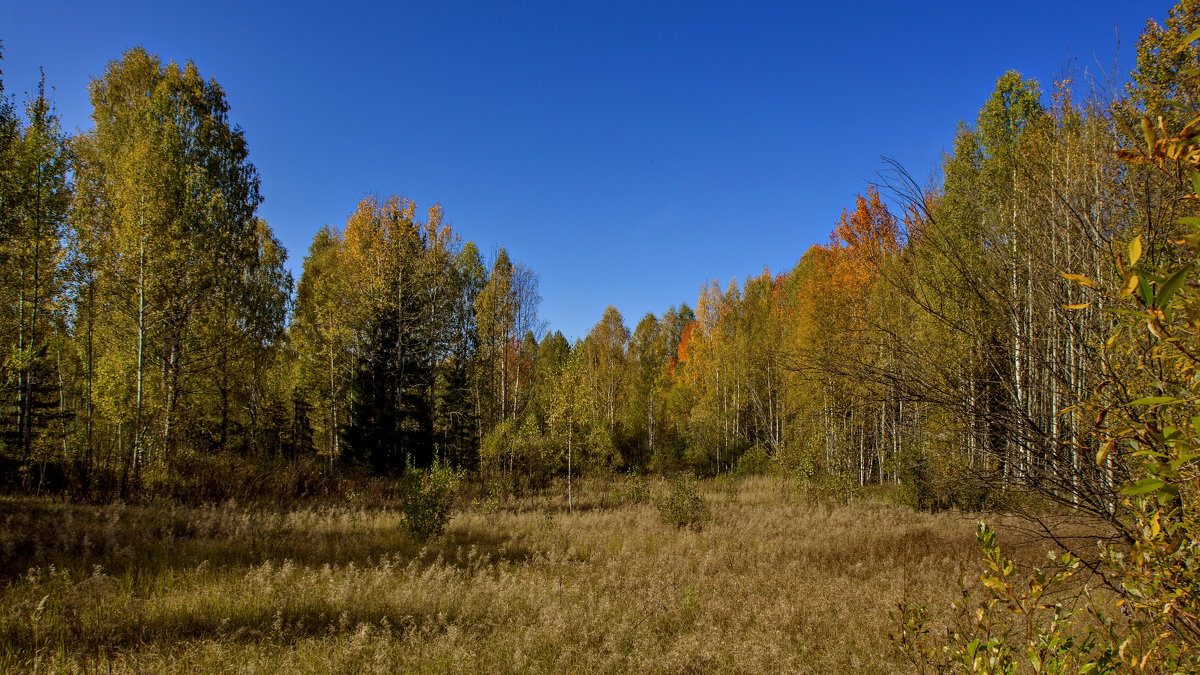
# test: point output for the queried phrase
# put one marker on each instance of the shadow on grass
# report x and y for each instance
(283, 623)
(144, 541)
(146, 552)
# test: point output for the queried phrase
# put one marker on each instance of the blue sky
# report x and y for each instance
(627, 152)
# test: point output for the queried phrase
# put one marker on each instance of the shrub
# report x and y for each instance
(428, 496)
(1011, 622)
(754, 462)
(683, 505)
(918, 488)
(836, 485)
(631, 489)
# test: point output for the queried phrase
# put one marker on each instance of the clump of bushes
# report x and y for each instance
(427, 498)
(683, 505)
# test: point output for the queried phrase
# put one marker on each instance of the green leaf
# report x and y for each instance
(1150, 276)
(1125, 312)
(972, 647)
(1153, 400)
(1145, 291)
(1187, 457)
(1142, 487)
(1193, 221)
(1195, 178)
(1171, 286)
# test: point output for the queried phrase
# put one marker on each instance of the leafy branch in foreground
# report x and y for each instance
(1014, 620)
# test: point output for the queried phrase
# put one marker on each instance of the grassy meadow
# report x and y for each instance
(778, 581)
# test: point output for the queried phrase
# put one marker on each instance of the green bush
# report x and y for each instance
(754, 462)
(428, 497)
(683, 505)
(918, 486)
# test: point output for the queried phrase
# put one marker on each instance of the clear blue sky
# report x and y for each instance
(626, 151)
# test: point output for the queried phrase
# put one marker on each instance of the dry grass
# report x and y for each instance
(776, 583)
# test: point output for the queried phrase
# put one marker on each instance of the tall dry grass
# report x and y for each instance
(777, 582)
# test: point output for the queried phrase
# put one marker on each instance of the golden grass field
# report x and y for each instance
(780, 581)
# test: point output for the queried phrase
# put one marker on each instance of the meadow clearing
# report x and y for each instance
(780, 580)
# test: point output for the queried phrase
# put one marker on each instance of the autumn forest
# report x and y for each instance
(1016, 337)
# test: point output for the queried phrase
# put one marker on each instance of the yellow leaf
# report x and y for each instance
(1081, 305)
(1152, 325)
(1135, 250)
(1131, 284)
(1132, 156)
(1105, 450)
(1190, 128)
(1148, 134)
(1079, 279)
(994, 584)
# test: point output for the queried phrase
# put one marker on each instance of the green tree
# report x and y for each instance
(605, 352)
(459, 422)
(320, 335)
(36, 200)
(394, 270)
(1161, 83)
(495, 320)
(170, 203)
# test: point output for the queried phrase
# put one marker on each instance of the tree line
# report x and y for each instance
(154, 338)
